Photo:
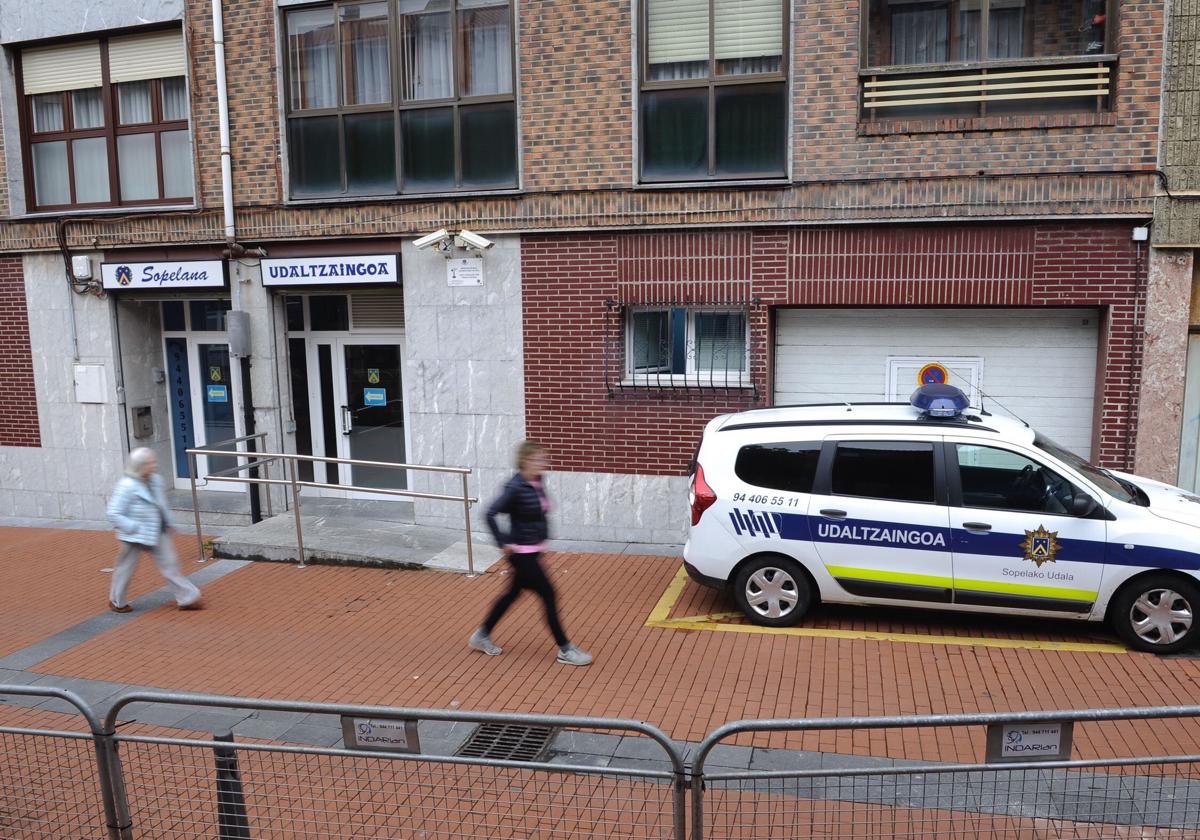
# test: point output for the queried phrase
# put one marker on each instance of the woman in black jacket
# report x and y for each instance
(525, 501)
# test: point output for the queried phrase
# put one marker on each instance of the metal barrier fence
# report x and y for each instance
(814, 778)
(255, 459)
(1026, 785)
(55, 782)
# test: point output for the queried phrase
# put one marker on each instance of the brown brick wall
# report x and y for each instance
(576, 80)
(18, 409)
(568, 282)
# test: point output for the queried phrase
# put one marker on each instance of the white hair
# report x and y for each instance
(137, 461)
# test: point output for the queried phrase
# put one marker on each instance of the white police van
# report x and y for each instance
(936, 505)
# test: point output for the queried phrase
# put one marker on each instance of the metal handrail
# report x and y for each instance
(293, 481)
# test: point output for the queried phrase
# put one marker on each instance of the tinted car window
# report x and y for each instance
(779, 466)
(897, 470)
(1003, 480)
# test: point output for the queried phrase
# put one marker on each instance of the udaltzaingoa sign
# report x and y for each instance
(174, 275)
(331, 271)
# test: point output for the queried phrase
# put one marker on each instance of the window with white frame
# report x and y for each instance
(698, 346)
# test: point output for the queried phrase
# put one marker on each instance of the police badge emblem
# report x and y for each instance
(1040, 546)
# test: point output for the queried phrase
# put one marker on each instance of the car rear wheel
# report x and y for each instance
(772, 591)
(1158, 614)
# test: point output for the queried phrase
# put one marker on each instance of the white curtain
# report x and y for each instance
(91, 170)
(425, 56)
(920, 35)
(47, 112)
(721, 342)
(87, 108)
(134, 101)
(177, 164)
(365, 46)
(1006, 34)
(139, 169)
(489, 50)
(174, 99)
(50, 183)
(313, 57)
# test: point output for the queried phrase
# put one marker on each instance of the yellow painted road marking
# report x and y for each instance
(659, 617)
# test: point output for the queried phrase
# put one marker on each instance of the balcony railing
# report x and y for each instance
(1029, 86)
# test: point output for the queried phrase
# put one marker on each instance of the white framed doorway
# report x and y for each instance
(201, 380)
(346, 366)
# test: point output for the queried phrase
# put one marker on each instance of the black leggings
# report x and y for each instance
(528, 574)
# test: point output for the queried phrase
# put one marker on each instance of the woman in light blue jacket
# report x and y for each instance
(138, 510)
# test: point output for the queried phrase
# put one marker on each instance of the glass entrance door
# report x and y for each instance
(372, 411)
(216, 394)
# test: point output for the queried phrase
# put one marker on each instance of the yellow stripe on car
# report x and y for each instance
(1061, 593)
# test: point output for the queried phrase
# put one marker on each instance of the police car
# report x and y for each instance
(935, 504)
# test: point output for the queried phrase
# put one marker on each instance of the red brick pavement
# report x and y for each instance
(52, 579)
(398, 638)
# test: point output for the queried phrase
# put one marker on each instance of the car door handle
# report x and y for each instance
(977, 526)
(833, 514)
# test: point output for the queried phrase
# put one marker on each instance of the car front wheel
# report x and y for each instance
(772, 591)
(1158, 614)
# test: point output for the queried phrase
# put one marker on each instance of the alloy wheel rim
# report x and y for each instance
(1161, 616)
(771, 592)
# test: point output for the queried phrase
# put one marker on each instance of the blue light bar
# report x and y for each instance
(937, 400)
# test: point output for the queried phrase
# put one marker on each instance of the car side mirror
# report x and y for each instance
(1082, 504)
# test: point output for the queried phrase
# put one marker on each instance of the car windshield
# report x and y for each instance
(1102, 478)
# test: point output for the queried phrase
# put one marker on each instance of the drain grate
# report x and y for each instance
(508, 742)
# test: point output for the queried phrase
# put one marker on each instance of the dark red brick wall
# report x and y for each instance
(18, 409)
(571, 284)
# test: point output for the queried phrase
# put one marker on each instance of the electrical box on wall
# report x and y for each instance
(90, 384)
(143, 425)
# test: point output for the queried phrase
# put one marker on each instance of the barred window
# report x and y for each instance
(698, 345)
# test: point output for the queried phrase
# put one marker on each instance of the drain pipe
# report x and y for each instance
(238, 320)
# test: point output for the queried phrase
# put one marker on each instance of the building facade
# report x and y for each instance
(695, 206)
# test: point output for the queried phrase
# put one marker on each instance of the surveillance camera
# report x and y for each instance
(433, 239)
(466, 239)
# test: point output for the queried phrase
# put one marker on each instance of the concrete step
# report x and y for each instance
(216, 507)
(356, 533)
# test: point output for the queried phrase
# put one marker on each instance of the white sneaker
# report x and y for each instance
(480, 641)
(572, 655)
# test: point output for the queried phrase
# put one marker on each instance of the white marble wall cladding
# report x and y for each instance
(464, 373)
(81, 454)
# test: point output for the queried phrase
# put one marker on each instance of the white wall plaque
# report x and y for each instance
(467, 271)
(1029, 741)
(353, 270)
(387, 735)
(168, 275)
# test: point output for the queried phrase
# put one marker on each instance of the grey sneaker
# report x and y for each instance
(482, 642)
(572, 655)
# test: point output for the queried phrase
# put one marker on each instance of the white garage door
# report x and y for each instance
(1038, 364)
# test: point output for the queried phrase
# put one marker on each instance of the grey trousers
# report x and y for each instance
(184, 590)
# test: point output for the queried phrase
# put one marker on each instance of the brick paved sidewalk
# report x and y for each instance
(398, 638)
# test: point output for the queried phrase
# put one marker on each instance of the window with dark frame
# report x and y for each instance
(401, 97)
(938, 58)
(106, 123)
(791, 467)
(713, 90)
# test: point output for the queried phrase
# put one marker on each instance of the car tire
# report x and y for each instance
(772, 591)
(1143, 618)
